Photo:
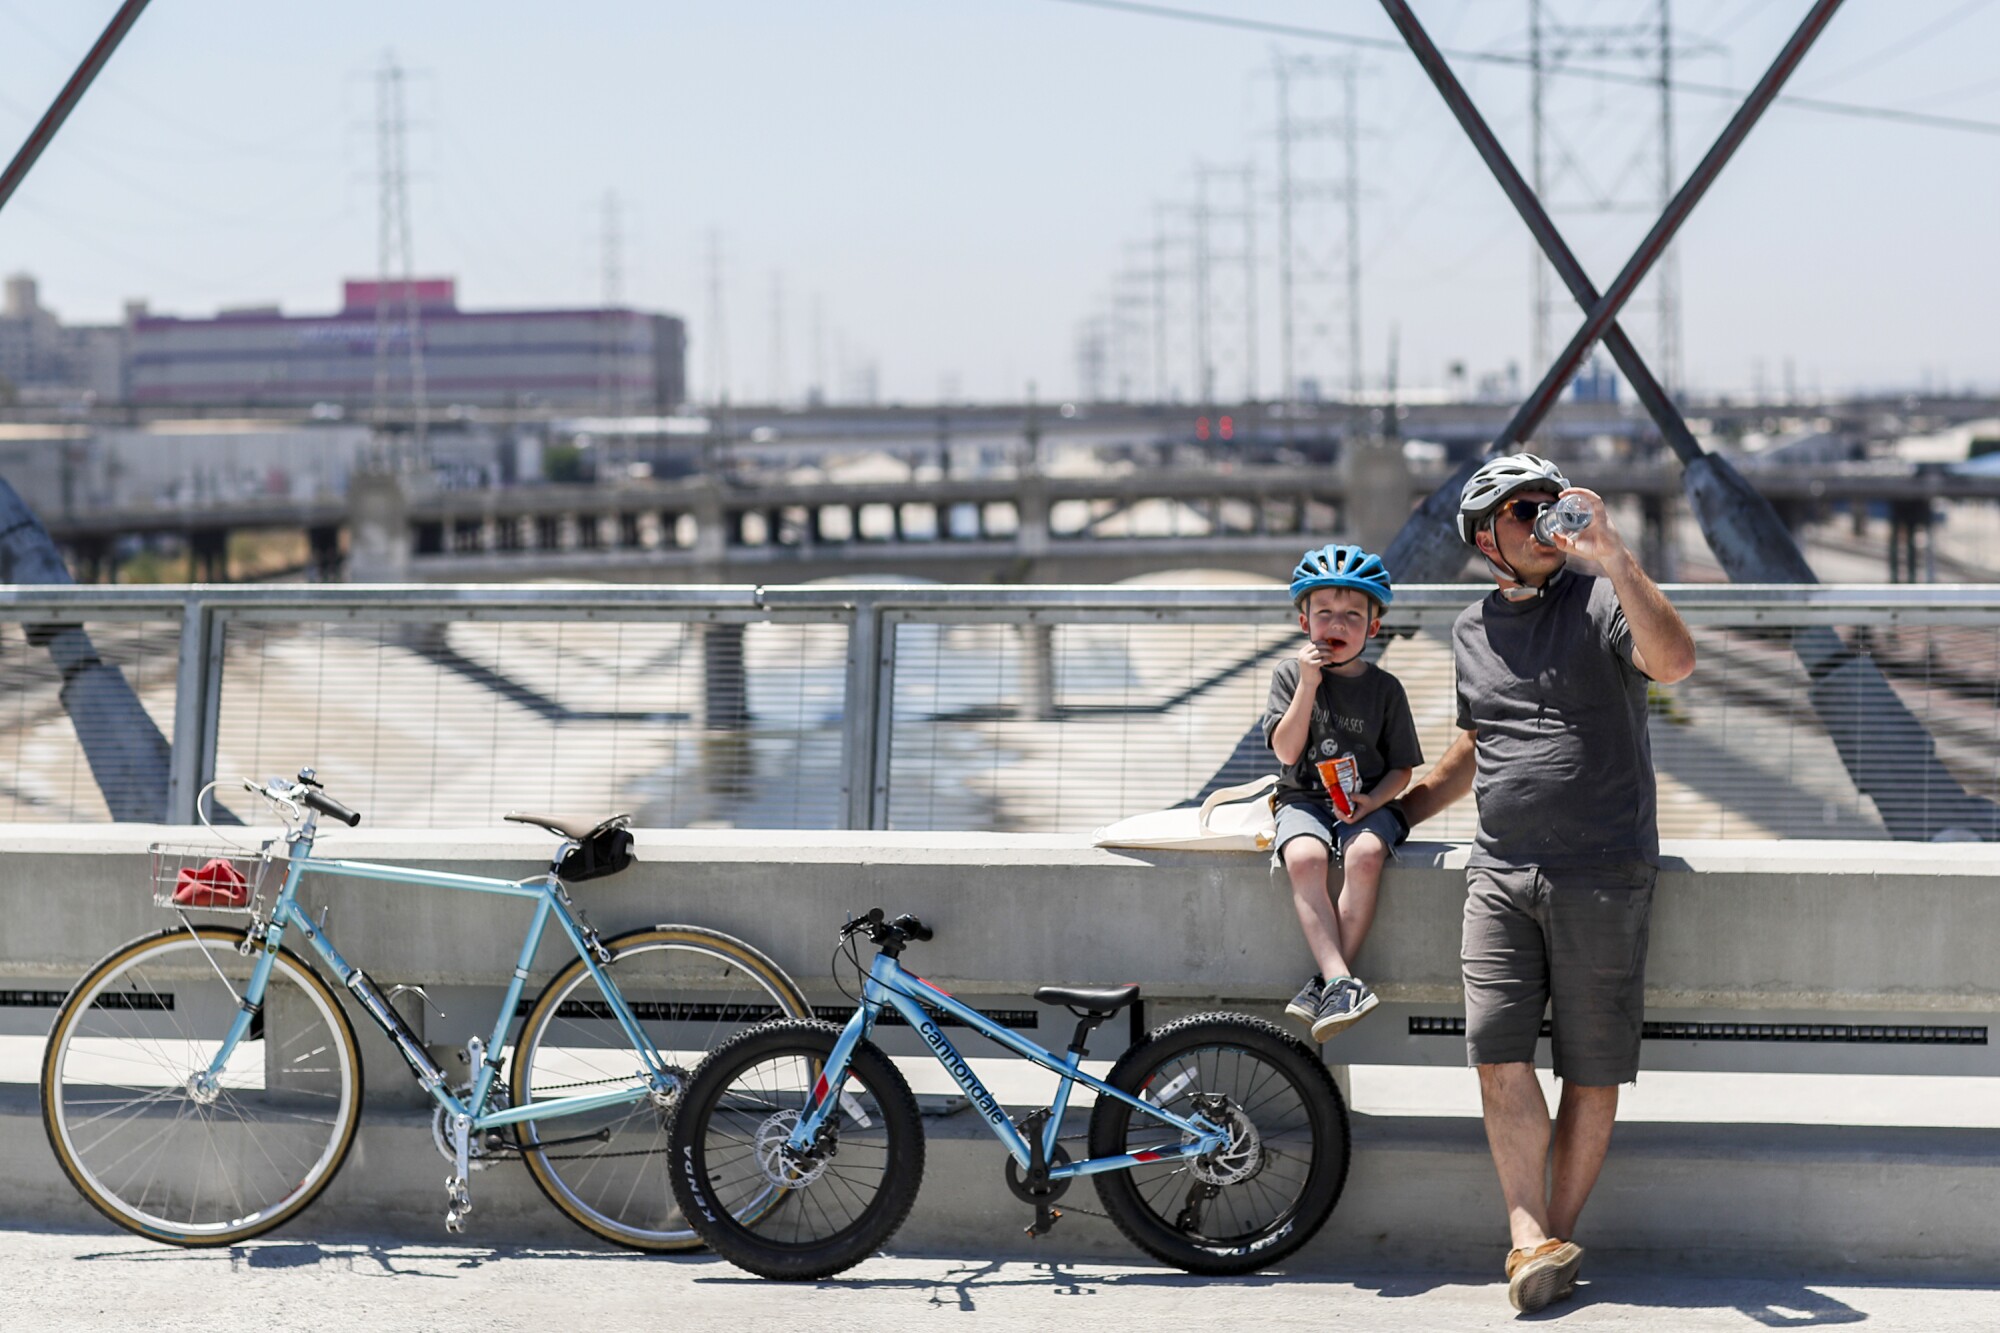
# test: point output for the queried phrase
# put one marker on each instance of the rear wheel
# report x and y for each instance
(1258, 1199)
(785, 1216)
(690, 990)
(156, 1140)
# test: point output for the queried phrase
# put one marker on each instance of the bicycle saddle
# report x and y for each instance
(1099, 1000)
(576, 830)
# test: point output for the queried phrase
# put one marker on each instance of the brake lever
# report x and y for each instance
(868, 921)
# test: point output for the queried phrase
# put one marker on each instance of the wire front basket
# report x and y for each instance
(215, 877)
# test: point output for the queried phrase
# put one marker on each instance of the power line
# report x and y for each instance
(1909, 43)
(1851, 109)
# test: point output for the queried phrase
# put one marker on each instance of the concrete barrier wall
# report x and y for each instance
(1870, 935)
(1803, 933)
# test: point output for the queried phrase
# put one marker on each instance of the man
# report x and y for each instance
(1553, 668)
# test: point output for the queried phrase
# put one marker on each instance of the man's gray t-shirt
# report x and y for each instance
(1367, 716)
(1565, 766)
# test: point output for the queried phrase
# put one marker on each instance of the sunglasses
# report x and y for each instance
(1524, 508)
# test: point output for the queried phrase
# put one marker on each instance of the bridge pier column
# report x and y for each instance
(324, 543)
(725, 694)
(94, 561)
(1906, 517)
(1038, 672)
(1031, 506)
(208, 554)
(1657, 550)
(1375, 481)
(378, 507)
(711, 536)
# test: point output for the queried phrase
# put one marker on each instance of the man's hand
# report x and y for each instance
(1449, 780)
(1600, 542)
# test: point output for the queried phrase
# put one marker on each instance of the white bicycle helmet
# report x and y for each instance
(1486, 489)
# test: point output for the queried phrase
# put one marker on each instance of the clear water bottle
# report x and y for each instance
(1570, 514)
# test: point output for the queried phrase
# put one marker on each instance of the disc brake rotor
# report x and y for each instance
(775, 1159)
(1239, 1159)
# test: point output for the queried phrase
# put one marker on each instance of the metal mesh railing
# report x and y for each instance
(437, 723)
(1015, 709)
(114, 680)
(1074, 722)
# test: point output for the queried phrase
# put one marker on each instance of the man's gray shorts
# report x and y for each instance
(1308, 819)
(1574, 940)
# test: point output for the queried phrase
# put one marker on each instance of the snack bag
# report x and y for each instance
(1342, 777)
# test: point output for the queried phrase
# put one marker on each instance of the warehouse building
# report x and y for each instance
(621, 359)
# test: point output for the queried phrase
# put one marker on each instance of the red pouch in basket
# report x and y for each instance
(216, 884)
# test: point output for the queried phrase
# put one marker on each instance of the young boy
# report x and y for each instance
(1328, 704)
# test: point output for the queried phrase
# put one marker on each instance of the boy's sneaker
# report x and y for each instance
(1305, 1005)
(1344, 1002)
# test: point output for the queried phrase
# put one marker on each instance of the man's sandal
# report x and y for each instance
(1543, 1275)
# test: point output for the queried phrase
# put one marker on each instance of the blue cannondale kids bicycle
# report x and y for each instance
(1218, 1144)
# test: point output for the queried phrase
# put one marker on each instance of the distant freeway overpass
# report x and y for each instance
(1020, 528)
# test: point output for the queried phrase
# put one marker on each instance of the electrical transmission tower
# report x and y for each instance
(1214, 228)
(614, 383)
(1647, 178)
(1319, 257)
(1093, 356)
(780, 381)
(718, 336)
(395, 264)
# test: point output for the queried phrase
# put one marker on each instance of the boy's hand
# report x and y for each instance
(1311, 659)
(1363, 806)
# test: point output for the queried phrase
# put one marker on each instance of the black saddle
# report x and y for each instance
(603, 848)
(576, 830)
(1098, 1001)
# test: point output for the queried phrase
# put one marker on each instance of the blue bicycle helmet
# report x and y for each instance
(1343, 566)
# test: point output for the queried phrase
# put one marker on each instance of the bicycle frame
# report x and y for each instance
(551, 901)
(888, 984)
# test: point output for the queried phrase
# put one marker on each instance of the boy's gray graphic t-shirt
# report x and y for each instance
(1367, 716)
(1565, 766)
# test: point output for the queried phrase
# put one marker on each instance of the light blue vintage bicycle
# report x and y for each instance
(202, 1085)
(1218, 1144)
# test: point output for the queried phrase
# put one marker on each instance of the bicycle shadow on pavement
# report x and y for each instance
(958, 1287)
(385, 1259)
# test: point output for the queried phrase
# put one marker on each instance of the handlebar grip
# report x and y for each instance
(913, 928)
(326, 805)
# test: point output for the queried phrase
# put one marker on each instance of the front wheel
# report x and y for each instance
(781, 1214)
(690, 990)
(158, 1138)
(1254, 1201)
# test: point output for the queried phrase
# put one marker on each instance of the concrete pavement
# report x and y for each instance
(63, 1281)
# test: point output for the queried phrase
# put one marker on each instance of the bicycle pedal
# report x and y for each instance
(1045, 1221)
(459, 1197)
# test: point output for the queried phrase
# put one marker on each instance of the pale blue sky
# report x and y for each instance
(957, 181)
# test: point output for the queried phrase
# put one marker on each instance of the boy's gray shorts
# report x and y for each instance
(1573, 940)
(1308, 819)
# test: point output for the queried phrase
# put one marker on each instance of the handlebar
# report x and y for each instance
(306, 791)
(329, 807)
(886, 933)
